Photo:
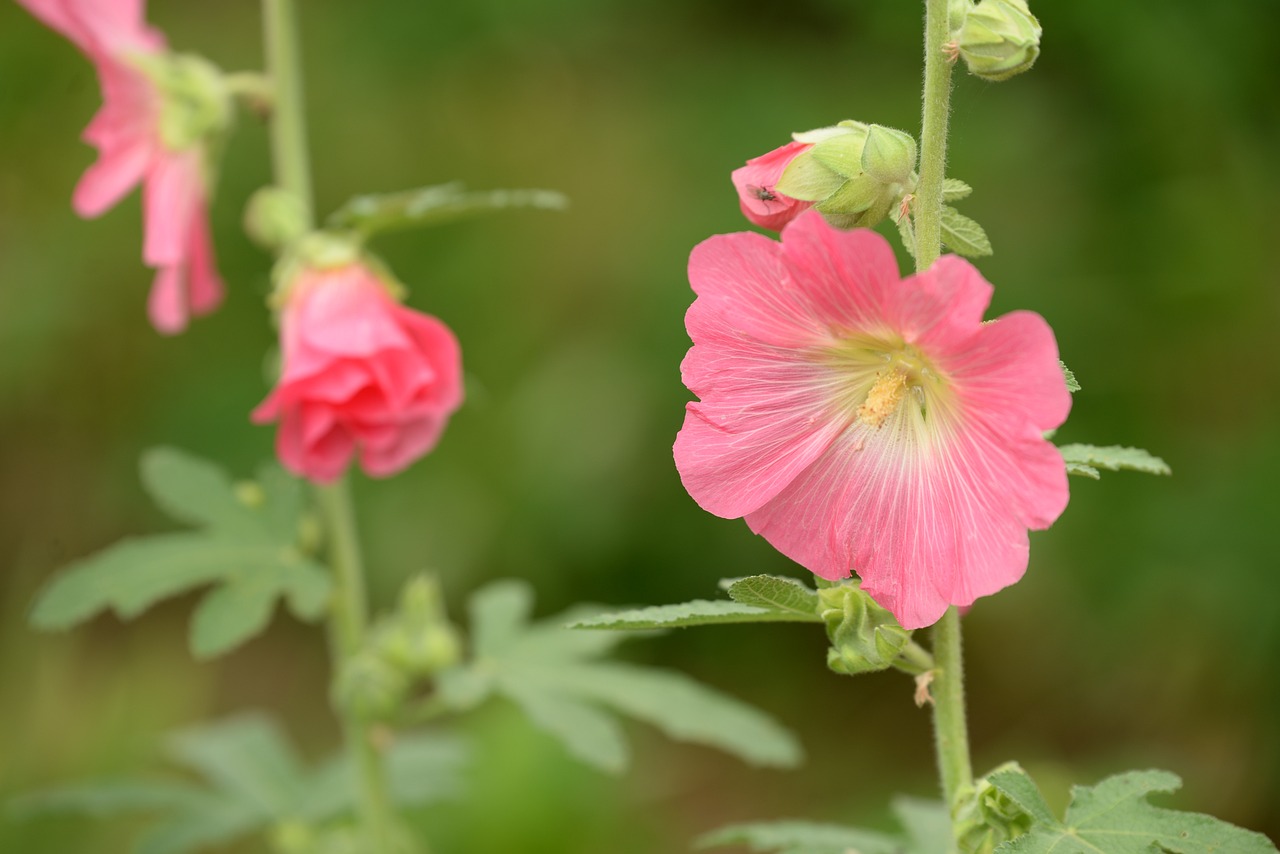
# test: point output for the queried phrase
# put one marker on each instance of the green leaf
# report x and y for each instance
(421, 768)
(197, 831)
(499, 611)
(1115, 817)
(134, 574)
(1073, 385)
(241, 608)
(908, 233)
(777, 593)
(1084, 470)
(374, 213)
(112, 797)
(962, 235)
(927, 823)
(699, 612)
(246, 757)
(953, 190)
(194, 491)
(801, 837)
(683, 709)
(587, 733)
(1113, 458)
(1022, 790)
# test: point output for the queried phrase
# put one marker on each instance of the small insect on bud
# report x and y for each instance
(998, 38)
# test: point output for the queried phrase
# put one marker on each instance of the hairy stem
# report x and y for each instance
(349, 613)
(951, 733)
(933, 136)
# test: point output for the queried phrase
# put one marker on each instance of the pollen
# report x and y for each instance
(883, 398)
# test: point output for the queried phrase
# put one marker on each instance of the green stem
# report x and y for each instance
(933, 136)
(951, 734)
(349, 614)
(289, 155)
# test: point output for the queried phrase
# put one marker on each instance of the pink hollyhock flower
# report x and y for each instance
(757, 184)
(362, 373)
(866, 423)
(127, 132)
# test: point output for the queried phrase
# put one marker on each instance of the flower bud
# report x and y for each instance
(998, 39)
(419, 639)
(370, 687)
(195, 105)
(274, 217)
(864, 636)
(987, 817)
(853, 173)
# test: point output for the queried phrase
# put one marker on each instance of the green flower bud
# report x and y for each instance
(274, 217)
(371, 687)
(853, 173)
(987, 817)
(998, 39)
(864, 636)
(418, 638)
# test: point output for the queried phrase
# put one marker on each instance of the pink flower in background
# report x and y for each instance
(362, 374)
(865, 423)
(757, 188)
(131, 150)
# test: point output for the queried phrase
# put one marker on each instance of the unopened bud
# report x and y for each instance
(274, 217)
(864, 636)
(998, 39)
(370, 687)
(195, 104)
(853, 173)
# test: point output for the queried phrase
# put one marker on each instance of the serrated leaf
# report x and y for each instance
(777, 593)
(681, 708)
(1115, 817)
(1084, 470)
(927, 824)
(133, 574)
(246, 757)
(699, 612)
(801, 837)
(1022, 790)
(375, 213)
(586, 733)
(1113, 458)
(499, 612)
(1073, 385)
(963, 235)
(191, 490)
(236, 611)
(953, 190)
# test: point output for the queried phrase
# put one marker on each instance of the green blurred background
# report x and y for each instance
(1128, 184)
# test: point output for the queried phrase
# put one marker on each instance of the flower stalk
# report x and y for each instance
(951, 735)
(349, 612)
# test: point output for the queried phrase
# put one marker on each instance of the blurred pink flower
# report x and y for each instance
(131, 150)
(866, 423)
(757, 188)
(361, 373)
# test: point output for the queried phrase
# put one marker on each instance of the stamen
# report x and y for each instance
(883, 398)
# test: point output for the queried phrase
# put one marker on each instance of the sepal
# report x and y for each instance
(864, 636)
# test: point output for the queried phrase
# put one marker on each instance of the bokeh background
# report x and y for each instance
(1128, 184)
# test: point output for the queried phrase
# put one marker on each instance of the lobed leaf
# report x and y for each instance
(1115, 817)
(587, 733)
(1022, 790)
(801, 837)
(375, 213)
(927, 823)
(112, 797)
(1112, 458)
(240, 609)
(195, 491)
(777, 593)
(699, 612)
(246, 757)
(963, 235)
(197, 831)
(499, 612)
(1073, 385)
(681, 708)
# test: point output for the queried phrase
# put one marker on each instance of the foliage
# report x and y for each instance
(926, 824)
(251, 780)
(247, 546)
(554, 675)
(755, 599)
(1086, 460)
